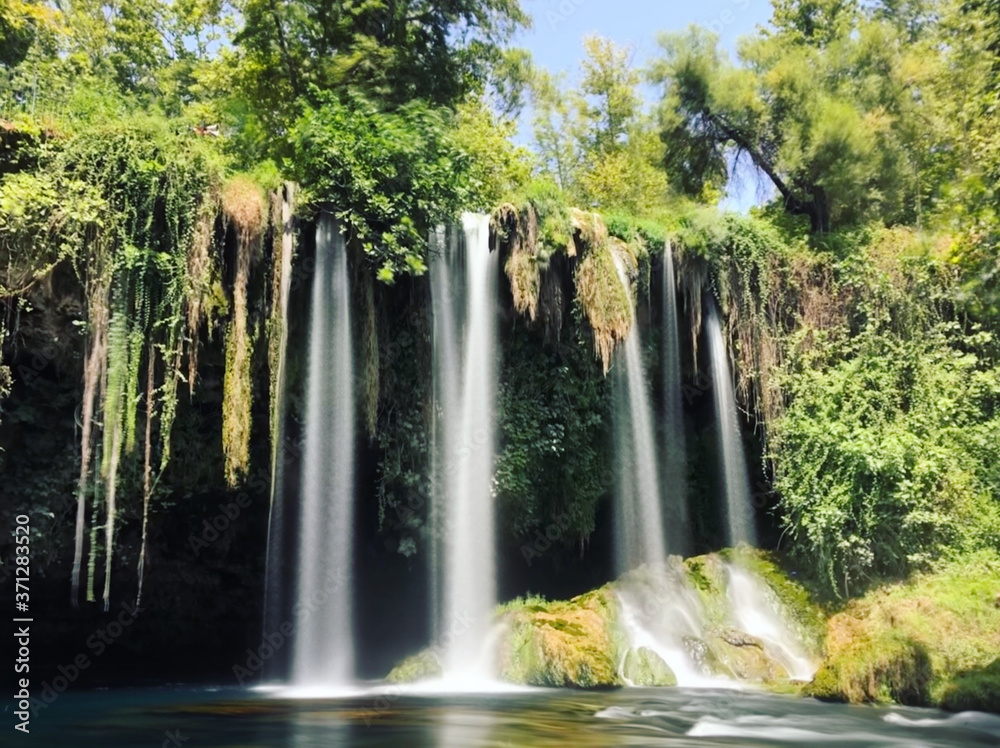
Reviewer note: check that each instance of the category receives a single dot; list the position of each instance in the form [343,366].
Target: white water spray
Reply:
[674,477]
[756,615]
[274,590]
[662,612]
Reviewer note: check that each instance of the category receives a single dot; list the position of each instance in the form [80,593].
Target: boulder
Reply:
[562,644]
[743,656]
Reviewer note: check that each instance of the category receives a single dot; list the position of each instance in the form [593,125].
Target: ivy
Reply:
[553,415]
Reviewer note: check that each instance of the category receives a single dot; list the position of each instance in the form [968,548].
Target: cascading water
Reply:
[738,510]
[663,612]
[754,613]
[674,477]
[324,641]
[463,296]
[639,523]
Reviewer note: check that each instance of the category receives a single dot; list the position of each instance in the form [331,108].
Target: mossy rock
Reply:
[416,667]
[707,576]
[703,657]
[798,607]
[930,641]
[885,669]
[643,667]
[562,643]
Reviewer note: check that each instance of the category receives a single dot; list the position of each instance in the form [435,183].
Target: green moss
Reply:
[797,604]
[559,644]
[529,603]
[707,575]
[977,689]
[932,641]
[885,669]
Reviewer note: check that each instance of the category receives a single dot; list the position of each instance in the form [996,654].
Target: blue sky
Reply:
[556,38]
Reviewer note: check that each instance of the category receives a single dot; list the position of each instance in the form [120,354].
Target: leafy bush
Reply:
[553,463]
[887,458]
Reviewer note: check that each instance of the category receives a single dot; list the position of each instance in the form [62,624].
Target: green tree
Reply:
[827,105]
[393,51]
[20,21]
[596,142]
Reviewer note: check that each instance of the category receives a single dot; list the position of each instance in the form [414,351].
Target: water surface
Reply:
[536,718]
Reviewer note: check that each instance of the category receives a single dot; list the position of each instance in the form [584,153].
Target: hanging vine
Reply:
[129,226]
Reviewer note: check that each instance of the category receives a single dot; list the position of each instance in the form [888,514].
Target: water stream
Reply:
[324,643]
[755,613]
[463,290]
[674,460]
[739,513]
[639,531]
[541,718]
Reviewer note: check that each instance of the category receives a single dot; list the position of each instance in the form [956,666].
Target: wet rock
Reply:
[739,638]
[643,667]
[743,656]
[702,656]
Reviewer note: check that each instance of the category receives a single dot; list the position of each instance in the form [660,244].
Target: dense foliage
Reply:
[554,464]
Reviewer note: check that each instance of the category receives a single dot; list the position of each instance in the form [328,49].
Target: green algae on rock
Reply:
[931,641]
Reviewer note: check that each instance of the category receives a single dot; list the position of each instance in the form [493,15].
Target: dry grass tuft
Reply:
[604,298]
[516,233]
[244,206]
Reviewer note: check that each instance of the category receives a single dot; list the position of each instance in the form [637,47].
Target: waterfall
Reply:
[324,642]
[755,613]
[738,510]
[639,524]
[463,297]
[661,610]
[674,478]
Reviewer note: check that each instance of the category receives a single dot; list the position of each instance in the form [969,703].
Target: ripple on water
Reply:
[988,724]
